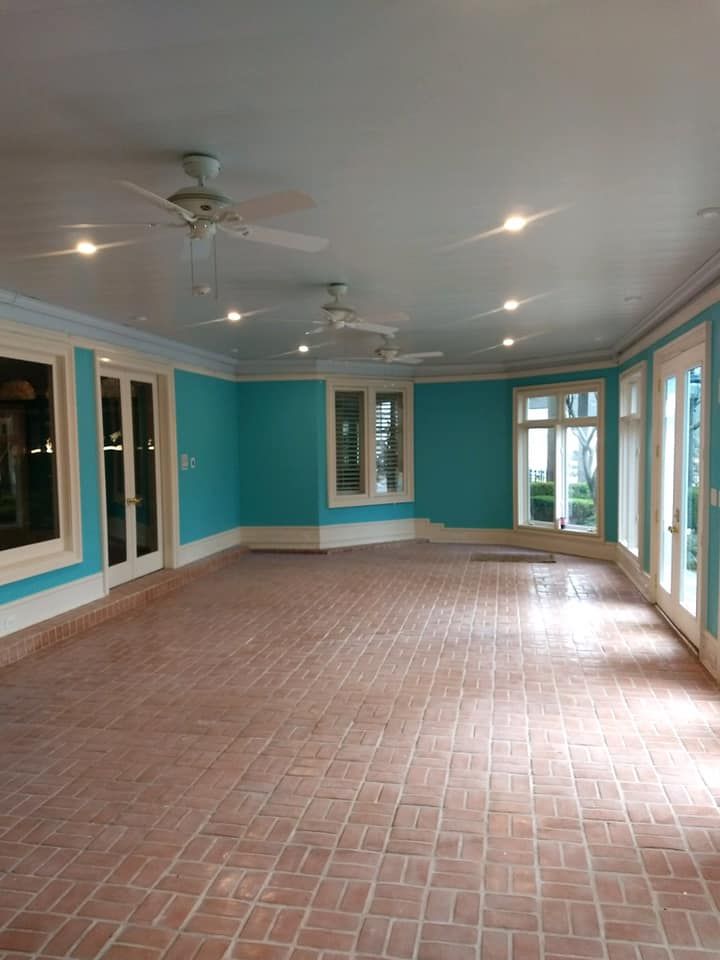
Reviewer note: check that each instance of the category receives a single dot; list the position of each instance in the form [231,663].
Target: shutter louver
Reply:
[349,442]
[389,446]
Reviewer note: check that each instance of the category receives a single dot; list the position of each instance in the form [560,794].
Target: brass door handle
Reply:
[134,500]
[673,528]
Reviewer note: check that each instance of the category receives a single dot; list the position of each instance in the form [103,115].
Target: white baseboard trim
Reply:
[199,549]
[26,612]
[630,566]
[710,653]
[575,545]
[329,537]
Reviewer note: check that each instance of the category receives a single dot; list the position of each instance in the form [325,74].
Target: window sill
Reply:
[367,501]
[11,572]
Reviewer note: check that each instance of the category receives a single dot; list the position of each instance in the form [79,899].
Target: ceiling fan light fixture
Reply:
[511,305]
[86,248]
[515,223]
[233,316]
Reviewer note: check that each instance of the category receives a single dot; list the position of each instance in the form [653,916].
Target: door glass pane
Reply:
[581,478]
[28,480]
[146,520]
[691,492]
[114,470]
[541,474]
[667,481]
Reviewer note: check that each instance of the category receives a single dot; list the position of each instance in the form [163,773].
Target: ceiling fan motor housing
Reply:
[204,202]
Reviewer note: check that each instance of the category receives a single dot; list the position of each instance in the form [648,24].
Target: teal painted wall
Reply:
[464,449]
[208,423]
[89,491]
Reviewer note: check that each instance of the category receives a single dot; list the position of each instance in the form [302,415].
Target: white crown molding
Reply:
[84,329]
[692,296]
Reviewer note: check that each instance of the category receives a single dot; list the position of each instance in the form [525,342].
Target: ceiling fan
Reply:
[390,354]
[203,209]
[338,316]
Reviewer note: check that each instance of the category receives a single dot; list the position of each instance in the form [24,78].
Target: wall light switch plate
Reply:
[184,461]
[713,497]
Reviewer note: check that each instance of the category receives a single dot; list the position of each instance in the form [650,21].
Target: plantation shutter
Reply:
[389,467]
[349,441]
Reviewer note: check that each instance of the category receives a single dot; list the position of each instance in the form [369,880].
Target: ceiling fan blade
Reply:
[365,327]
[405,358]
[270,205]
[426,355]
[278,238]
[321,328]
[159,201]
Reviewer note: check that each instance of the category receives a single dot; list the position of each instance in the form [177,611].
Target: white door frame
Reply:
[111,362]
[699,335]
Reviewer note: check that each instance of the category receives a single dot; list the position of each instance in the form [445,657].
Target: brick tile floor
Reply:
[392,752]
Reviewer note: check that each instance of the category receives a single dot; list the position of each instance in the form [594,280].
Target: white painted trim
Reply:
[28,611]
[700,291]
[207,546]
[630,566]
[331,536]
[572,544]
[634,374]
[65,550]
[709,653]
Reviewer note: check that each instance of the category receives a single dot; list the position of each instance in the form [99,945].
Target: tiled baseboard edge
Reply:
[130,596]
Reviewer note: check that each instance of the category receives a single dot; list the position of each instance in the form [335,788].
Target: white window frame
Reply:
[20,563]
[520,428]
[369,389]
[628,422]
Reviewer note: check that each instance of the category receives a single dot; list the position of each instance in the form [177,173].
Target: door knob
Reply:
[136,501]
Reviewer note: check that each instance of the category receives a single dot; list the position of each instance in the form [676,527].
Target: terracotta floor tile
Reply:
[384,753]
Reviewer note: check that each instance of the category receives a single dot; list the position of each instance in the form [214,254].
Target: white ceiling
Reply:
[413,123]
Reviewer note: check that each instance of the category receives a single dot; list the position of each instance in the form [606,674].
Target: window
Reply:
[557,457]
[369,453]
[39,510]
[632,386]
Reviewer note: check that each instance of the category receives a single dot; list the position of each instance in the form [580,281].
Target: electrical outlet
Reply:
[183,461]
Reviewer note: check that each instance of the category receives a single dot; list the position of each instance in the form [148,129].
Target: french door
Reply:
[679,515]
[132,481]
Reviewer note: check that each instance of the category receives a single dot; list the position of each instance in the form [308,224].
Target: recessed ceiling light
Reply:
[104,359]
[511,305]
[303,348]
[233,316]
[508,342]
[86,248]
[515,223]
[709,213]
[633,298]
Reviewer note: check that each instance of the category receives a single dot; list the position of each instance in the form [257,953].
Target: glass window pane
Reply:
[389,472]
[689,558]
[667,479]
[113,453]
[634,398]
[349,442]
[582,404]
[146,519]
[541,408]
[541,474]
[581,478]
[28,467]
